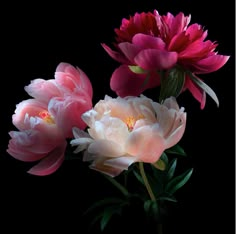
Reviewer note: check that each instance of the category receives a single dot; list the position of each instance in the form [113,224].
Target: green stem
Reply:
[159,228]
[145,180]
[118,185]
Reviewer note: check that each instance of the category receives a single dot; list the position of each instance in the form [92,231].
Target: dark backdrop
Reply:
[36,37]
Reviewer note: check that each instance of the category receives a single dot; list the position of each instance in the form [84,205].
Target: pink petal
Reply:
[148,42]
[68,111]
[129,50]
[126,83]
[121,163]
[178,23]
[107,170]
[195,32]
[35,141]
[68,76]
[152,59]
[146,144]
[43,90]
[197,50]
[32,107]
[105,148]
[51,163]
[179,42]
[197,93]
[115,55]
[22,153]
[210,64]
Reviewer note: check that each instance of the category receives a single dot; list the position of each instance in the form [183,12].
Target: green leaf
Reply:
[138,176]
[151,208]
[176,149]
[171,169]
[167,198]
[137,69]
[106,218]
[172,84]
[177,182]
[204,87]
[160,164]
[147,205]
[164,158]
[106,201]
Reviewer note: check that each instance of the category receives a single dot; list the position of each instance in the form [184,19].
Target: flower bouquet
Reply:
[132,140]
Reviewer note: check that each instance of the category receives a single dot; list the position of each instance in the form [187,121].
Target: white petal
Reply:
[121,163]
[105,148]
[89,117]
[78,133]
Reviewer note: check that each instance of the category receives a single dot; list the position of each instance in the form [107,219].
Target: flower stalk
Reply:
[145,180]
[120,187]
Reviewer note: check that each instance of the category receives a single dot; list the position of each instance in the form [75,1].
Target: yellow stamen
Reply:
[46,117]
[131,120]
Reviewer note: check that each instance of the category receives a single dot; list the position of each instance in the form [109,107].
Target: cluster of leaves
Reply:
[163,181]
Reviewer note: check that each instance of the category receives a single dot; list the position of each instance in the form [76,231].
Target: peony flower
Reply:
[126,130]
[67,96]
[39,138]
[46,121]
[148,43]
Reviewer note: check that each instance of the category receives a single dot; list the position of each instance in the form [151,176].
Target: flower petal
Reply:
[146,144]
[152,59]
[121,163]
[126,83]
[148,42]
[105,148]
[119,57]
[51,163]
[210,64]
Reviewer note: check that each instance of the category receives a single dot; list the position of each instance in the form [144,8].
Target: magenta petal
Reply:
[197,93]
[211,63]
[152,59]
[115,55]
[148,42]
[129,50]
[51,163]
[126,83]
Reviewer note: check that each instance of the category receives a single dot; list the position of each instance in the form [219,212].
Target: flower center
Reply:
[131,120]
[46,117]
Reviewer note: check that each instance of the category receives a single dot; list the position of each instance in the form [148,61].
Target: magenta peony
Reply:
[148,44]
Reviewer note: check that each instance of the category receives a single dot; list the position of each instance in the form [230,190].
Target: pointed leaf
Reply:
[146,80]
[147,206]
[171,169]
[164,158]
[177,182]
[164,198]
[106,201]
[176,149]
[172,84]
[138,176]
[106,218]
[160,165]
[204,87]
[137,69]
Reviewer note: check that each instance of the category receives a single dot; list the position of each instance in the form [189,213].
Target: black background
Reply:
[36,37]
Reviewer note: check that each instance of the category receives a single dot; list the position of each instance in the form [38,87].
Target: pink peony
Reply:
[68,96]
[127,130]
[148,43]
[46,121]
[39,138]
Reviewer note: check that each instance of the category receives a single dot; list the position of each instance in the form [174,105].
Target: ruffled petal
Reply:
[51,163]
[152,59]
[119,57]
